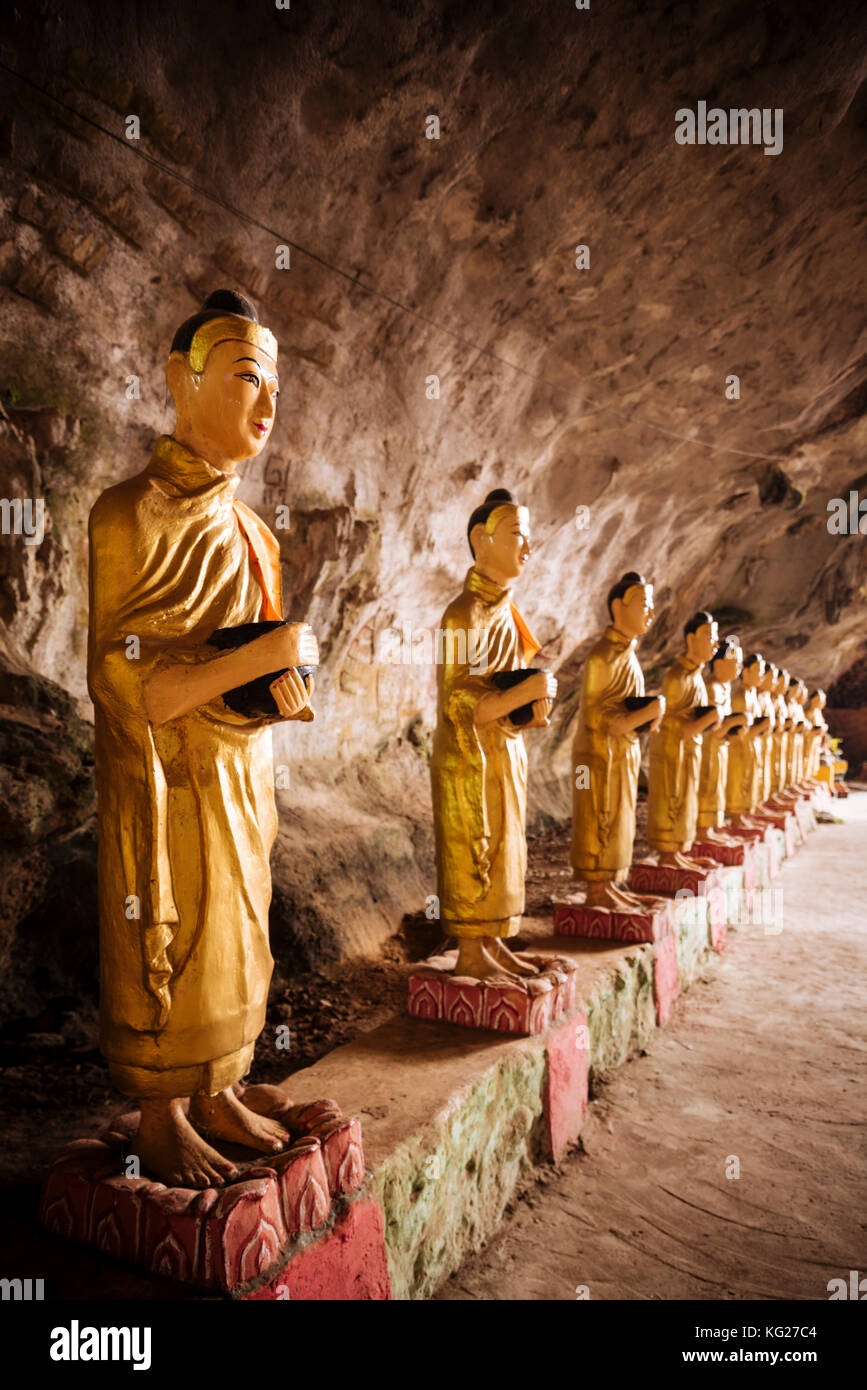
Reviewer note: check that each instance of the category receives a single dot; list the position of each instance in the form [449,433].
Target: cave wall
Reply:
[599,388]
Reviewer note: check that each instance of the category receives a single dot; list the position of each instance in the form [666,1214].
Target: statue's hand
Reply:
[294,644]
[290,693]
[541,711]
[540,687]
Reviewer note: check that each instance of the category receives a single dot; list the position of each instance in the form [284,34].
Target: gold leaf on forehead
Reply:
[228,326]
[519,514]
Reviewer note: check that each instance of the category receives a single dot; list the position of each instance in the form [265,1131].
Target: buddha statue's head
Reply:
[766,684]
[498,533]
[630,604]
[782,682]
[754,670]
[702,637]
[222,373]
[728,660]
[816,701]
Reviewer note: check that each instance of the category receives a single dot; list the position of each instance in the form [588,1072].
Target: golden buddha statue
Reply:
[781,731]
[725,666]
[815,735]
[795,747]
[479,762]
[675,748]
[745,780]
[766,712]
[187,813]
[606,745]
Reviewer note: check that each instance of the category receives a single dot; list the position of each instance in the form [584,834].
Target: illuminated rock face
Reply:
[556,132]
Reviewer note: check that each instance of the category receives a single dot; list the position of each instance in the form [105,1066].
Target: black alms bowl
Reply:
[634,702]
[254,700]
[507,680]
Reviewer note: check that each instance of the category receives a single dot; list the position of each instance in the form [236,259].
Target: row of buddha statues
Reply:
[190,663]
[729,733]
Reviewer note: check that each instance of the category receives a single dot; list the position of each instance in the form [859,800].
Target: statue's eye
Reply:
[249,376]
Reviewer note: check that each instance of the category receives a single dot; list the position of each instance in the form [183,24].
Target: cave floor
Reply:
[763,1064]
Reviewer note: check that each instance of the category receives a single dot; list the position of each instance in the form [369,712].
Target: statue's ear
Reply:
[477,538]
[180,377]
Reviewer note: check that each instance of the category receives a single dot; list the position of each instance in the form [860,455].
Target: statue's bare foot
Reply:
[169,1147]
[610,896]
[509,961]
[225,1117]
[476,959]
[650,902]
[673,859]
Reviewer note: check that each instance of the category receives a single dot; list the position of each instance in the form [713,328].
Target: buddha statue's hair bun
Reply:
[228,302]
[219,303]
[498,498]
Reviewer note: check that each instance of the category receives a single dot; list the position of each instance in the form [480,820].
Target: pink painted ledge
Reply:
[666,987]
[231,1240]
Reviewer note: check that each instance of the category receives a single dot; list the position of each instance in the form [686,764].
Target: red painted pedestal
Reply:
[737,854]
[780,820]
[524,1006]
[576,919]
[231,1240]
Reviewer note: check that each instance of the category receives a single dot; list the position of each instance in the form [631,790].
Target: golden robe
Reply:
[675,762]
[766,769]
[746,757]
[714,763]
[796,743]
[187,814]
[603,813]
[479,772]
[781,744]
[813,740]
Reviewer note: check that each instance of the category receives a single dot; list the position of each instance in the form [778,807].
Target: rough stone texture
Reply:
[557,129]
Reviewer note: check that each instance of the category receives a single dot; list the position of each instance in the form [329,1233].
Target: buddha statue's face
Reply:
[753,674]
[226,411]
[727,668]
[702,644]
[767,681]
[633,614]
[503,552]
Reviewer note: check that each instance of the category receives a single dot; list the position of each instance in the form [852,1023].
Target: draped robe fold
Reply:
[675,762]
[714,763]
[767,711]
[187,813]
[744,784]
[603,812]
[479,772]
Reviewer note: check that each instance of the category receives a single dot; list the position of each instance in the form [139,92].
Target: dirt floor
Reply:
[762,1069]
